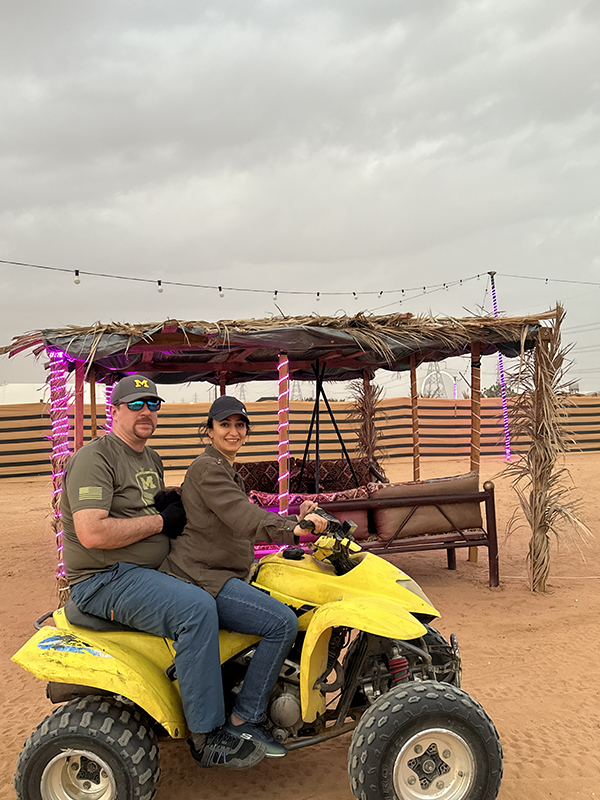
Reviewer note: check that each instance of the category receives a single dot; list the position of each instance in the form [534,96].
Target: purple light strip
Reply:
[284,444]
[108,416]
[502,380]
[59,415]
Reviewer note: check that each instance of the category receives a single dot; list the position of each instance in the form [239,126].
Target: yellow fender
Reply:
[372,615]
[131,664]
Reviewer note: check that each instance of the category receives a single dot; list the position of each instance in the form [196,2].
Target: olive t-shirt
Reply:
[108,474]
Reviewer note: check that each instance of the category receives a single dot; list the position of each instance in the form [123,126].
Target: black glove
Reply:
[165,498]
[174,520]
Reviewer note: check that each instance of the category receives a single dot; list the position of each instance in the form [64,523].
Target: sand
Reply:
[533,661]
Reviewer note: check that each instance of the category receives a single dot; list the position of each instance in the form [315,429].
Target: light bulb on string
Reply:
[318,296]
[77,279]
[380,295]
[275,295]
[221,292]
[160,287]
[355,295]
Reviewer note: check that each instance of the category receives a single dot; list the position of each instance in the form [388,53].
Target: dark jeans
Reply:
[246,609]
[165,606]
[156,603]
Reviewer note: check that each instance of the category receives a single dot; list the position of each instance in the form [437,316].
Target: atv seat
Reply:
[83,620]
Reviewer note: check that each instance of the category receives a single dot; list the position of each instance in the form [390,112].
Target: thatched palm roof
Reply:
[178,351]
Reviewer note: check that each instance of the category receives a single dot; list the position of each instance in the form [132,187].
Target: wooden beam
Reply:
[244,366]
[79,382]
[223,383]
[414,399]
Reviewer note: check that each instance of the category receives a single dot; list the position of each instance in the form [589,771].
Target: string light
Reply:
[160,287]
[221,289]
[275,295]
[355,295]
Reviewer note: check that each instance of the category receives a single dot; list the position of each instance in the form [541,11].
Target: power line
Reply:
[548,280]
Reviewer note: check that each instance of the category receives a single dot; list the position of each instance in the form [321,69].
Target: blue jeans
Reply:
[165,606]
[246,609]
[151,601]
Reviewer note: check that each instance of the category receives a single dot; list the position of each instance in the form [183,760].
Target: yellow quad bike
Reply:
[366,660]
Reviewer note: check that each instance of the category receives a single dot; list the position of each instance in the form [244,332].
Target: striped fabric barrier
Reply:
[444,427]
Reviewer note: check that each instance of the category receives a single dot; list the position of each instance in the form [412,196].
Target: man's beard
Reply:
[144,422]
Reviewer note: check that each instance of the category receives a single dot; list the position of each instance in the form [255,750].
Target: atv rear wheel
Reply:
[92,748]
[425,740]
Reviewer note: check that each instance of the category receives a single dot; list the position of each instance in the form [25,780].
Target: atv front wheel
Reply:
[92,748]
[425,740]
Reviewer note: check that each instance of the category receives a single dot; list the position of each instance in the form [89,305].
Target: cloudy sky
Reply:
[334,145]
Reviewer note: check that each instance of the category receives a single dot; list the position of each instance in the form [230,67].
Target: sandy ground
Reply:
[532,661]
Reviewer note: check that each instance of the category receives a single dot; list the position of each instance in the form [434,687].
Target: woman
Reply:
[216,552]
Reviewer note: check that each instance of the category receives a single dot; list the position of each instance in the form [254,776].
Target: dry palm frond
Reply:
[370,332]
[538,417]
[364,408]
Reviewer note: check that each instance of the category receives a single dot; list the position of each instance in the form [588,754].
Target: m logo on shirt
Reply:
[149,484]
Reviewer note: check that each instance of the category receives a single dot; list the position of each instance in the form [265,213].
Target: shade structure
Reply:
[234,351]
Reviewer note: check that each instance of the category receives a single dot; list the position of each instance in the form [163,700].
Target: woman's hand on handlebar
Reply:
[319,525]
[305,508]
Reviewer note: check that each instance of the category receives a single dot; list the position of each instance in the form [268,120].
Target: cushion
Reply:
[426,519]
[334,474]
[271,500]
[263,476]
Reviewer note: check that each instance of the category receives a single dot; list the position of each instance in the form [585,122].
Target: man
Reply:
[114,541]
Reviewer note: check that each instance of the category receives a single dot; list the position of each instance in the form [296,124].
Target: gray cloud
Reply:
[318,145]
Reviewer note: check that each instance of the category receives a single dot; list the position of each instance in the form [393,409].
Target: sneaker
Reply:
[224,750]
[251,732]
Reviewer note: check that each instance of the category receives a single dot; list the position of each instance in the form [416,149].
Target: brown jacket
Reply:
[222,526]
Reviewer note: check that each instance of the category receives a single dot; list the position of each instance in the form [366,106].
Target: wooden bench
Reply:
[449,540]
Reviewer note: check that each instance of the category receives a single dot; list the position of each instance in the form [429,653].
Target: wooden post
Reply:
[414,398]
[475,419]
[222,376]
[79,382]
[93,413]
[283,433]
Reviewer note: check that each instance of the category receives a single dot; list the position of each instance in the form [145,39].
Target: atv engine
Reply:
[284,713]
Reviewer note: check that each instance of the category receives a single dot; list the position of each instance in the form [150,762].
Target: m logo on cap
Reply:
[141,383]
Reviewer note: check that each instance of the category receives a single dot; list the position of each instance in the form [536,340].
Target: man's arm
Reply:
[95,529]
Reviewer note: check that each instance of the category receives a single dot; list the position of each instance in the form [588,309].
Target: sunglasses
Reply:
[137,405]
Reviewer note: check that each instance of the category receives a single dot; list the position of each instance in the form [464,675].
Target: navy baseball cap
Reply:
[225,406]
[134,387]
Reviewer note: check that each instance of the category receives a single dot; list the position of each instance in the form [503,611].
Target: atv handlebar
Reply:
[339,530]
